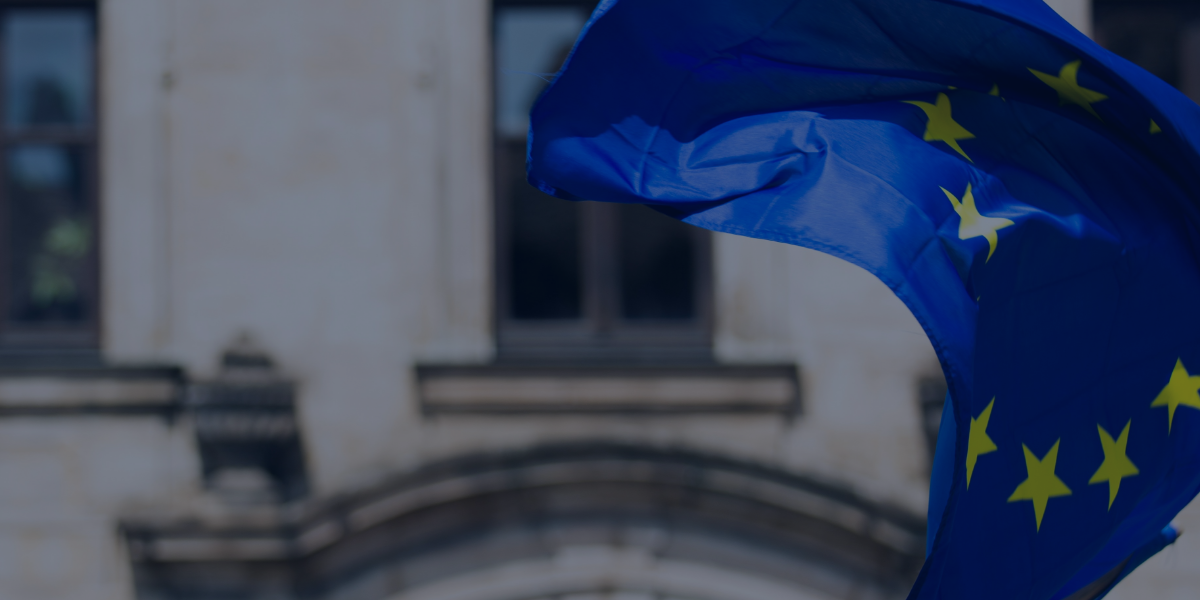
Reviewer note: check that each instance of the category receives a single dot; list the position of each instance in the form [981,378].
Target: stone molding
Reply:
[499,389]
[527,500]
[101,390]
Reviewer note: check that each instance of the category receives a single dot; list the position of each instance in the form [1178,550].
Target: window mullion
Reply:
[600,274]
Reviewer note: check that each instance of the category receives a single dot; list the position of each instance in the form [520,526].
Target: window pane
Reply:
[50,229]
[531,44]
[48,67]
[658,265]
[545,269]
[545,275]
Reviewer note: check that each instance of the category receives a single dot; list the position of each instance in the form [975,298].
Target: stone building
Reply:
[281,320]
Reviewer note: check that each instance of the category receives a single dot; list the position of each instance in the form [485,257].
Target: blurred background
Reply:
[281,319]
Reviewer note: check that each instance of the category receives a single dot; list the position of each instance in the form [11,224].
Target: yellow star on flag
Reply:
[978,441]
[1042,484]
[1181,390]
[1116,464]
[1068,88]
[941,126]
[972,224]
[1154,128]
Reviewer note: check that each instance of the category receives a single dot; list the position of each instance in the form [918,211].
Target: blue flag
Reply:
[1031,197]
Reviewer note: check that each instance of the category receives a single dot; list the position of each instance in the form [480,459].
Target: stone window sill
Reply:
[567,389]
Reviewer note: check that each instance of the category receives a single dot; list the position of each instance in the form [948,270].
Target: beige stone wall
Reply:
[314,174]
[62,482]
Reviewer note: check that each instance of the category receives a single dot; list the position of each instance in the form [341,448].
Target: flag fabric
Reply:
[1031,197]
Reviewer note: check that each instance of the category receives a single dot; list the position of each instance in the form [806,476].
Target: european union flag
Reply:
[1030,196]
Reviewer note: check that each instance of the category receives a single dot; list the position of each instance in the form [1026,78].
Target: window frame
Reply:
[21,340]
[599,334]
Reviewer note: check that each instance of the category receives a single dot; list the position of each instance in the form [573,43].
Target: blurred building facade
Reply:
[281,319]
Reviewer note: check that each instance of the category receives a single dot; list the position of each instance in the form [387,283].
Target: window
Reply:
[1161,36]
[48,258]
[582,280]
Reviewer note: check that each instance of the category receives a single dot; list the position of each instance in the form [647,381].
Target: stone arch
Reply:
[595,519]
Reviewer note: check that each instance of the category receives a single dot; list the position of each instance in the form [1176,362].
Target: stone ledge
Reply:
[524,389]
[97,390]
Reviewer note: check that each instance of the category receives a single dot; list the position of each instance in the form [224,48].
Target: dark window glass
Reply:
[48,292]
[657,265]
[50,235]
[546,278]
[1161,36]
[581,279]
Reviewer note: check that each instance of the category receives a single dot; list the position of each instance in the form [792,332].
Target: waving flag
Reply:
[1031,197]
